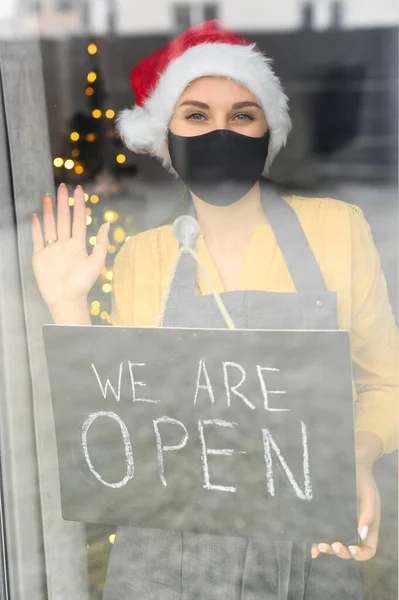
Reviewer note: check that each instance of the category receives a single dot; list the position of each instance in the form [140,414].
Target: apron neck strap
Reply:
[291,239]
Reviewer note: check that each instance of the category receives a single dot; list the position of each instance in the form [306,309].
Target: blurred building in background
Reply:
[60,18]
[337,60]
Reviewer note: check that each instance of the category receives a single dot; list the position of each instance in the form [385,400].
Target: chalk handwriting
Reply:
[207,386]
[161,449]
[266,392]
[233,388]
[134,383]
[127,446]
[268,443]
[109,384]
[212,451]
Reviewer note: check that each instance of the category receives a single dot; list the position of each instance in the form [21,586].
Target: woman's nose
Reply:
[222,123]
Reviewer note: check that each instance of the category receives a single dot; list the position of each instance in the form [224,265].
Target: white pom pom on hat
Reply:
[209,48]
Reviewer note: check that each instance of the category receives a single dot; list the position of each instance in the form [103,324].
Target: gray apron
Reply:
[147,564]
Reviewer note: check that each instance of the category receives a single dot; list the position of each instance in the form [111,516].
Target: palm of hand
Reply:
[64,271]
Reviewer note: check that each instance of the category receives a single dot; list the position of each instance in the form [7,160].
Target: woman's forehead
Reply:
[215,88]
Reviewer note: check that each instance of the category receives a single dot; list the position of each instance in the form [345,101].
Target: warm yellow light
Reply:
[109,275]
[104,315]
[89,91]
[120,158]
[71,201]
[111,538]
[92,48]
[92,240]
[110,113]
[75,152]
[74,136]
[58,162]
[95,304]
[109,319]
[91,77]
[90,137]
[119,235]
[111,249]
[104,271]
[86,196]
[88,211]
[94,199]
[95,311]
[107,287]
[69,164]
[111,216]
[88,220]
[79,170]
[96,113]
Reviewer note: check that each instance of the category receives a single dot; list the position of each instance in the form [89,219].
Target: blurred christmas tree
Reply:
[93,158]
[93,146]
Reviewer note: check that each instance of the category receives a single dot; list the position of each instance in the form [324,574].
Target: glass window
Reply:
[182,16]
[210,12]
[307,14]
[65,78]
[33,6]
[65,6]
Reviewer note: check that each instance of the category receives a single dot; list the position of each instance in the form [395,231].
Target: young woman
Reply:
[211,108]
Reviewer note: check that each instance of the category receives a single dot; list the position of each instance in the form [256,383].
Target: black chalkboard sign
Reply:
[240,433]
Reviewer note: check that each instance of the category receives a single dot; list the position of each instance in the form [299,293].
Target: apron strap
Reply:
[184,280]
[292,241]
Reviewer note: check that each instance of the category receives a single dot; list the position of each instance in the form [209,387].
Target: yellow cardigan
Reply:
[343,245]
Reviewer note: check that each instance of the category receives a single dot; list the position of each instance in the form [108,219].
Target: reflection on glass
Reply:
[342,99]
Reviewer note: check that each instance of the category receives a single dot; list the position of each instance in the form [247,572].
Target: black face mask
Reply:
[219,167]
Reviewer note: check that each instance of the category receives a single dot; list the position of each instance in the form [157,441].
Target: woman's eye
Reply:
[194,116]
[245,117]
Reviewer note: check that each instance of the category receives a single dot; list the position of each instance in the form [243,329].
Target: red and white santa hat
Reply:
[209,48]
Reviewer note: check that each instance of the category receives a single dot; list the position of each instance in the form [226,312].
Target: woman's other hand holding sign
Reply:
[368,448]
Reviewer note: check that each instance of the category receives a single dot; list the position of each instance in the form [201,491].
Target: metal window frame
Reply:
[46,556]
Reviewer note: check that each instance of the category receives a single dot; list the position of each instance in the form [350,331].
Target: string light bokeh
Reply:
[98,207]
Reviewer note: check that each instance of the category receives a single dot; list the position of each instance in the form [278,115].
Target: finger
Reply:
[50,232]
[368,548]
[63,213]
[363,552]
[325,548]
[315,551]
[79,216]
[37,236]
[101,246]
[341,551]
[369,523]
[368,507]
[367,513]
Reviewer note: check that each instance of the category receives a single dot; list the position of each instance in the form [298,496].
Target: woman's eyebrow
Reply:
[194,103]
[245,104]
[206,106]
